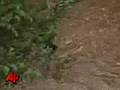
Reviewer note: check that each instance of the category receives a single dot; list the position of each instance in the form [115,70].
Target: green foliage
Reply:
[60,7]
[14,24]
[23,27]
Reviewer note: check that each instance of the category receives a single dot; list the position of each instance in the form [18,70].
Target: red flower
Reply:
[12,77]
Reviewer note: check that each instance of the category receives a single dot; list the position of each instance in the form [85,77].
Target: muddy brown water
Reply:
[89,34]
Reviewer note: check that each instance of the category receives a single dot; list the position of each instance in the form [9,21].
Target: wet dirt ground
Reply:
[89,34]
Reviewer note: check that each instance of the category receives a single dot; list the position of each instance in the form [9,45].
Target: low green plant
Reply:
[23,27]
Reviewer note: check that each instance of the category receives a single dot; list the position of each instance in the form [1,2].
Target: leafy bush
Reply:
[23,27]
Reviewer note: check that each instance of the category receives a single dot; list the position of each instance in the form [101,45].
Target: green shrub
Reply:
[22,28]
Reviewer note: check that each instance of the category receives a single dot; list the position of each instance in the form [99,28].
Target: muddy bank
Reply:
[89,35]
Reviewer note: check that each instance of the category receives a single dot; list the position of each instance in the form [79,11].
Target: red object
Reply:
[12,77]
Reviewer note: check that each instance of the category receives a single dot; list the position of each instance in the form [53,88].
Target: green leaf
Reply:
[13,67]
[6,70]
[15,32]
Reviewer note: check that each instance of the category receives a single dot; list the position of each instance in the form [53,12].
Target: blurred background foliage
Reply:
[27,31]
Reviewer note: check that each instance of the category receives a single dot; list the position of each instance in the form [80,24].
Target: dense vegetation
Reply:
[26,35]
